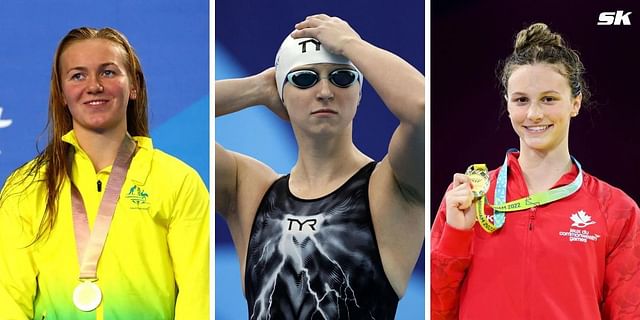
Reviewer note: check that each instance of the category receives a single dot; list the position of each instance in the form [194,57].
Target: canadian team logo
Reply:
[579,234]
[581,219]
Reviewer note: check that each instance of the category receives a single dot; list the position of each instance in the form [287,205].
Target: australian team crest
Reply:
[138,197]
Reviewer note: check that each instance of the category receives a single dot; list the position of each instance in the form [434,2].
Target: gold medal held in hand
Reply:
[479,176]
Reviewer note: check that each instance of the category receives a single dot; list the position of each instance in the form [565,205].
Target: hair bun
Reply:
[537,35]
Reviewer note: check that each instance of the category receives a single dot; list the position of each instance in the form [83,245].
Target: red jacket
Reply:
[575,258]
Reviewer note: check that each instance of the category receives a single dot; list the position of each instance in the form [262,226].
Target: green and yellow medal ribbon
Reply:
[479,177]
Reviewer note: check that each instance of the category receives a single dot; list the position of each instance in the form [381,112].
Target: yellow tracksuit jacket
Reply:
[155,263]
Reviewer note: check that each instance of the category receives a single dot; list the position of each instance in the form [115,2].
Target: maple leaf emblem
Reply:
[581,219]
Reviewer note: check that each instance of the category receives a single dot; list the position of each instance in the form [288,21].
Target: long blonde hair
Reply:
[54,157]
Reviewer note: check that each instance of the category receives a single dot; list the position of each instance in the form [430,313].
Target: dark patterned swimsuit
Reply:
[317,259]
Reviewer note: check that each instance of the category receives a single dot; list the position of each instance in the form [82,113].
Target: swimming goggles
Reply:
[304,79]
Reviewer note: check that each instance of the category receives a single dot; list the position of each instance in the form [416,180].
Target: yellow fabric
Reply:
[155,263]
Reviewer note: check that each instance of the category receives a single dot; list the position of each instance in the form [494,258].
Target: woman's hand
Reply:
[461,214]
[270,97]
[333,32]
[233,95]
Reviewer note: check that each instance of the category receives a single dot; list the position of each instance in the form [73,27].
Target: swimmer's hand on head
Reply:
[271,98]
[233,95]
[333,32]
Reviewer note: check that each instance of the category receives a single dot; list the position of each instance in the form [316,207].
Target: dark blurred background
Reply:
[469,38]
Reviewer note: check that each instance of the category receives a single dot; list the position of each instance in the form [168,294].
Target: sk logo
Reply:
[138,197]
[4,122]
[614,18]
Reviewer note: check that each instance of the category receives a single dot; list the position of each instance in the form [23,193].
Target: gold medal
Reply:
[87,296]
[479,176]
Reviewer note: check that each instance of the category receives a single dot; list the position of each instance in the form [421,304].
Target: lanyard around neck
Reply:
[89,244]
[500,205]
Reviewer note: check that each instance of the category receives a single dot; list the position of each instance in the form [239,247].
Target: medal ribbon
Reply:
[534,200]
[482,217]
[89,244]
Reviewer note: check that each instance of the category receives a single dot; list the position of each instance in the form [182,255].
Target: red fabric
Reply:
[539,266]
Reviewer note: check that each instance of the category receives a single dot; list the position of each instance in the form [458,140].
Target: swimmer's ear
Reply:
[282,113]
[576,105]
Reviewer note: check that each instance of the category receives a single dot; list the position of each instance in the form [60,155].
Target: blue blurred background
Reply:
[171,39]
[247,37]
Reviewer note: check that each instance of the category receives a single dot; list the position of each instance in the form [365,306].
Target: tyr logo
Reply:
[302,225]
[304,44]
[299,224]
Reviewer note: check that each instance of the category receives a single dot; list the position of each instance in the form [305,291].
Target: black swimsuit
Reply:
[317,259]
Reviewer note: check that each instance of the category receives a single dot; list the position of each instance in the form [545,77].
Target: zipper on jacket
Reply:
[532,217]
[99,186]
[528,267]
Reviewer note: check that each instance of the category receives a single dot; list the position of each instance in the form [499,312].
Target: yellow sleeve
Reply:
[18,273]
[188,239]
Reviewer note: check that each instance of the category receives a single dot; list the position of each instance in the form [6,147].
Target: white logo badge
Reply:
[614,18]
[4,122]
[581,219]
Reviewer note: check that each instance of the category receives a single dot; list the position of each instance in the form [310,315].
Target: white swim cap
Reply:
[303,51]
